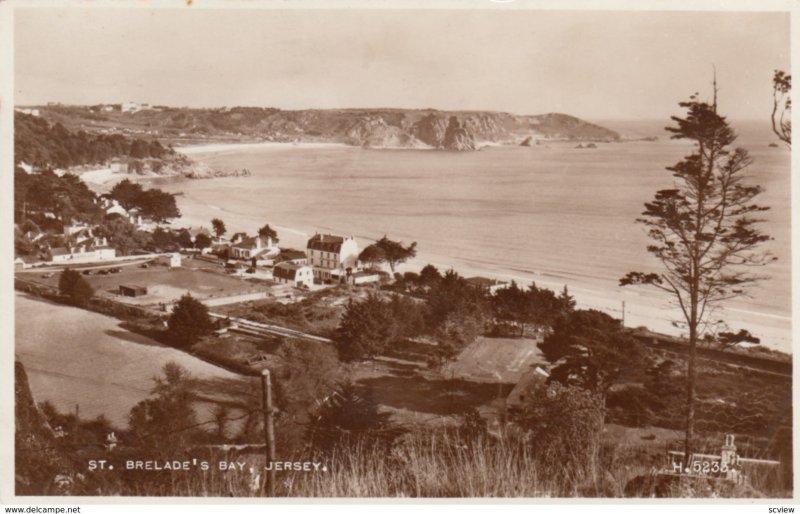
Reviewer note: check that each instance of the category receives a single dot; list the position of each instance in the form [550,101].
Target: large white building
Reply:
[332,257]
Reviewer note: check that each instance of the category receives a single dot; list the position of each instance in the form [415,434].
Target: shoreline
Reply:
[642,307]
[235,147]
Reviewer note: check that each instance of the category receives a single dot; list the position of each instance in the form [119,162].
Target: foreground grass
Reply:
[437,465]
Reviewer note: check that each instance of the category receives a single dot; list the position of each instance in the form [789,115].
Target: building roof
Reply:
[485,282]
[326,243]
[135,287]
[287,270]
[536,377]
[290,254]
[249,243]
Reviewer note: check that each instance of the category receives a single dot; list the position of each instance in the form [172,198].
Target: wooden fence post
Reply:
[269,432]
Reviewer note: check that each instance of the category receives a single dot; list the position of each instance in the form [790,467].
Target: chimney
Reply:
[322,237]
[258,242]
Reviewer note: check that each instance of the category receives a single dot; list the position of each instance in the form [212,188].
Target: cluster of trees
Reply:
[75,288]
[447,309]
[152,203]
[43,145]
[122,235]
[370,326]
[590,350]
[188,322]
[44,201]
[388,251]
[533,306]
[67,197]
[167,419]
[349,419]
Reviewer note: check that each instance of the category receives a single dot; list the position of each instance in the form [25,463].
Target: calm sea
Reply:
[552,213]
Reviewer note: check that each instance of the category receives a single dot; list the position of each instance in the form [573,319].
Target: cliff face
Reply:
[400,128]
[458,137]
[374,132]
[430,130]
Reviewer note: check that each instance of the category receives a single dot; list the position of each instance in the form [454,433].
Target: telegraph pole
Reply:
[269,432]
[623,313]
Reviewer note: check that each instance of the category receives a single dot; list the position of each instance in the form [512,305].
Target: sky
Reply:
[592,64]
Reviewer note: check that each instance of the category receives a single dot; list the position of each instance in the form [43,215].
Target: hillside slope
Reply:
[42,466]
[392,128]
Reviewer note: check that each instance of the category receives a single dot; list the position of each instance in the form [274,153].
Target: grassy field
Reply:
[163,284]
[75,356]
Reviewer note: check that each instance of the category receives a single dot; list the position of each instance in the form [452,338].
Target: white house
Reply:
[118,167]
[332,257]
[134,107]
[83,252]
[75,228]
[21,263]
[171,260]
[254,247]
[294,274]
[112,206]
[32,112]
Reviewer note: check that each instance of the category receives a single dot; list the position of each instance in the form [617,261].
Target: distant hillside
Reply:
[392,128]
[42,144]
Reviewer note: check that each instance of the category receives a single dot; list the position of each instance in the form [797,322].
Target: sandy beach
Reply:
[236,147]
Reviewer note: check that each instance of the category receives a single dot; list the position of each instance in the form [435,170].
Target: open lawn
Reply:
[164,285]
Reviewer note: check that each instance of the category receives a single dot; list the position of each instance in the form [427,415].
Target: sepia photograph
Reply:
[271,250]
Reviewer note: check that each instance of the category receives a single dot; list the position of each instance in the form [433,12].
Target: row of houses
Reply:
[327,258]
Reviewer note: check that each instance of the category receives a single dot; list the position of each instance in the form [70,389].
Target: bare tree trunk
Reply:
[691,375]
